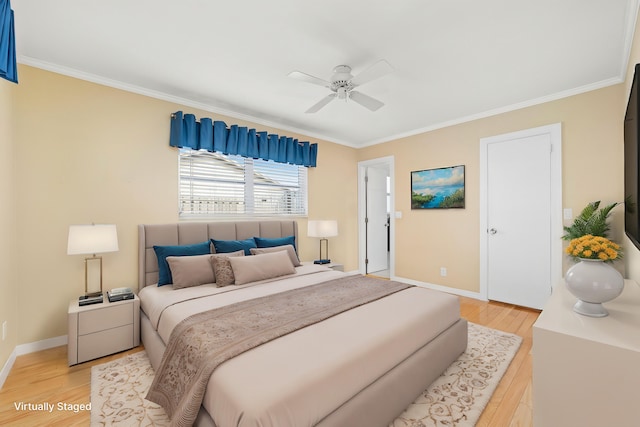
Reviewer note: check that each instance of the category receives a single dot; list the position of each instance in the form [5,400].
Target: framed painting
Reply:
[441,188]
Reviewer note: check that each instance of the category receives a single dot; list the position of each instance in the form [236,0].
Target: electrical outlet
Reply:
[4,330]
[443,271]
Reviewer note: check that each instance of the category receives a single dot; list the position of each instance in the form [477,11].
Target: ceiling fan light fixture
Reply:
[342,93]
[342,73]
[342,83]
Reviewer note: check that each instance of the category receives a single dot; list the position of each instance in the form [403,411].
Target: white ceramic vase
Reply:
[593,282]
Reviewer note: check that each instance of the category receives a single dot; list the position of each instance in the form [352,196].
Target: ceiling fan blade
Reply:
[375,71]
[299,75]
[365,100]
[318,105]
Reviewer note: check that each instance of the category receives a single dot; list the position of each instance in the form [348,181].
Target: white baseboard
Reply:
[29,348]
[455,291]
[4,373]
[41,345]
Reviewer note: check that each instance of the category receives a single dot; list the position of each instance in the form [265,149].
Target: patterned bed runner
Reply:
[203,341]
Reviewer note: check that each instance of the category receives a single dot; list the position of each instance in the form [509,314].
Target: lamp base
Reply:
[322,261]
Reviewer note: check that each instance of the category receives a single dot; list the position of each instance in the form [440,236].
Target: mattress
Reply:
[301,378]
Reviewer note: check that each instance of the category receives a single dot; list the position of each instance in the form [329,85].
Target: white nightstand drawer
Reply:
[101,319]
[97,345]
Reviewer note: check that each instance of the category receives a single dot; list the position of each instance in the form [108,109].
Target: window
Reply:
[215,185]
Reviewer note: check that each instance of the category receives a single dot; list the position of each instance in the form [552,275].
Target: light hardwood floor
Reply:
[45,377]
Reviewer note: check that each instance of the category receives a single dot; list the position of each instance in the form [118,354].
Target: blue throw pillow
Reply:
[162,252]
[263,242]
[224,246]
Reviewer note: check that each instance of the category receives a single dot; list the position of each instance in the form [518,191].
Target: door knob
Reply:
[493,231]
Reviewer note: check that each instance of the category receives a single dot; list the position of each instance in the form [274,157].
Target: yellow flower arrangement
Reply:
[594,247]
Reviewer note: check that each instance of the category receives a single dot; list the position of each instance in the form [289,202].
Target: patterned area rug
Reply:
[456,398]
[460,394]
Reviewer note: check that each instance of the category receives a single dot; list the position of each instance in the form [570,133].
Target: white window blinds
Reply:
[216,185]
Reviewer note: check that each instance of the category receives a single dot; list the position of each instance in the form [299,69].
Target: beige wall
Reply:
[89,153]
[592,170]
[8,257]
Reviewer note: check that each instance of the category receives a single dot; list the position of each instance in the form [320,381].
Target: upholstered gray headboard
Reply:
[185,233]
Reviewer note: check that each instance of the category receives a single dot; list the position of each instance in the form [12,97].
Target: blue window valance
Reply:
[216,136]
[8,68]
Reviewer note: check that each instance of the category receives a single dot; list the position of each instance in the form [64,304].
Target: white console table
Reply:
[586,371]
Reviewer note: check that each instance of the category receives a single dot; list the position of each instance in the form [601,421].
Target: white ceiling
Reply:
[453,60]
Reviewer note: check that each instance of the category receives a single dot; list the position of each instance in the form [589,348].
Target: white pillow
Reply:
[261,267]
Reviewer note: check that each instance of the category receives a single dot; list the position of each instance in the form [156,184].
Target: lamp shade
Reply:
[92,239]
[322,228]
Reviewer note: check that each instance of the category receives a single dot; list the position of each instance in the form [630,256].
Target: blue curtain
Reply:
[216,136]
[8,68]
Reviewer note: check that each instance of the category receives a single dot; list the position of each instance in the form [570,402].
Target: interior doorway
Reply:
[521,197]
[375,222]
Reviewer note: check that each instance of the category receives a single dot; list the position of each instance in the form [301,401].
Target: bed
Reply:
[359,367]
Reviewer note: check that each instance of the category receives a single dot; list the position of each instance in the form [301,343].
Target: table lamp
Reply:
[322,229]
[92,239]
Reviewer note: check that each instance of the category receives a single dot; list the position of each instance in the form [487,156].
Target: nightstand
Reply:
[332,265]
[335,266]
[98,330]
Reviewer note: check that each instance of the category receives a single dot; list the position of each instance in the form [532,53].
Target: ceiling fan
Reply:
[342,84]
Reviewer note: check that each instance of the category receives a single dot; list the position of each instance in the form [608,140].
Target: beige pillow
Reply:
[288,248]
[222,269]
[191,270]
[260,267]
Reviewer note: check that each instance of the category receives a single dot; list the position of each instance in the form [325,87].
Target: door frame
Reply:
[389,162]
[554,131]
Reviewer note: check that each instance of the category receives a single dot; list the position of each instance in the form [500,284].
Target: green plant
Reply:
[592,220]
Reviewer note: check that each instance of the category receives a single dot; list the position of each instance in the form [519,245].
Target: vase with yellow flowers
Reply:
[593,280]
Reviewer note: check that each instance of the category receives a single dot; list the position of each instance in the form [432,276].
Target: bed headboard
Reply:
[185,233]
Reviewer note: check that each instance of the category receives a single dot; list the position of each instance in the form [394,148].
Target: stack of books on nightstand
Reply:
[119,294]
[90,299]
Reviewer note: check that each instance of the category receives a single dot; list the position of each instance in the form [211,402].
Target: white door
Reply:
[520,219]
[377,248]
[377,223]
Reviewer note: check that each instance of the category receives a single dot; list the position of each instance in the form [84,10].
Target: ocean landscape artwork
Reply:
[441,188]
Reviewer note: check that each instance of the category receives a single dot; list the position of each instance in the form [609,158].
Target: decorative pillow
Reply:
[222,270]
[226,246]
[187,271]
[162,252]
[263,242]
[287,248]
[261,267]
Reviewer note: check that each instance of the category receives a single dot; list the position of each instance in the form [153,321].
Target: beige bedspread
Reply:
[167,307]
[202,342]
[300,378]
